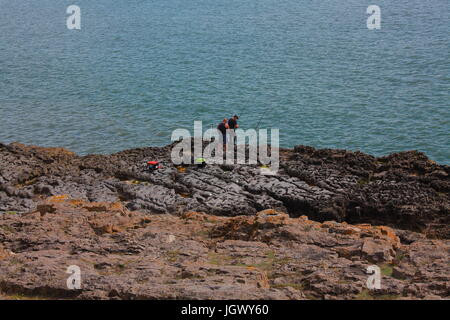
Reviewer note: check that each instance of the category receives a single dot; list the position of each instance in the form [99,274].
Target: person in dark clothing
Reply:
[232,123]
[222,127]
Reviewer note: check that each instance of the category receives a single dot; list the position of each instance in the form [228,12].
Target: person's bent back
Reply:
[222,127]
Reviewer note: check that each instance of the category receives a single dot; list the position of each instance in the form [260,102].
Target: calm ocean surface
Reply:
[138,69]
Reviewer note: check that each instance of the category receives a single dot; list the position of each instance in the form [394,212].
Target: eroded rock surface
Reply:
[404,190]
[127,254]
[223,231]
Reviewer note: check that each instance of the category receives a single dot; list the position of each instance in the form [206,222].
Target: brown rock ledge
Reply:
[127,254]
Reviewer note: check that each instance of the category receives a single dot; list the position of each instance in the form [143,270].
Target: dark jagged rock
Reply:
[404,190]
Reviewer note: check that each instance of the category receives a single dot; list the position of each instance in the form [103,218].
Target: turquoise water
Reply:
[139,69]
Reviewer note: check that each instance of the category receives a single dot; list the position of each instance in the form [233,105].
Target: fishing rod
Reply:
[259,122]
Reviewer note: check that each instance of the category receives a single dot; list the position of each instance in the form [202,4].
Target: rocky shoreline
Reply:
[223,231]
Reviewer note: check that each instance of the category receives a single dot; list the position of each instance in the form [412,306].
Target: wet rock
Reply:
[403,190]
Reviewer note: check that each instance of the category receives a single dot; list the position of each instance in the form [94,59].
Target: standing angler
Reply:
[222,127]
[232,124]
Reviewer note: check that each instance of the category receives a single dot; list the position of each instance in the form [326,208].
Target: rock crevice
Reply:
[404,190]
